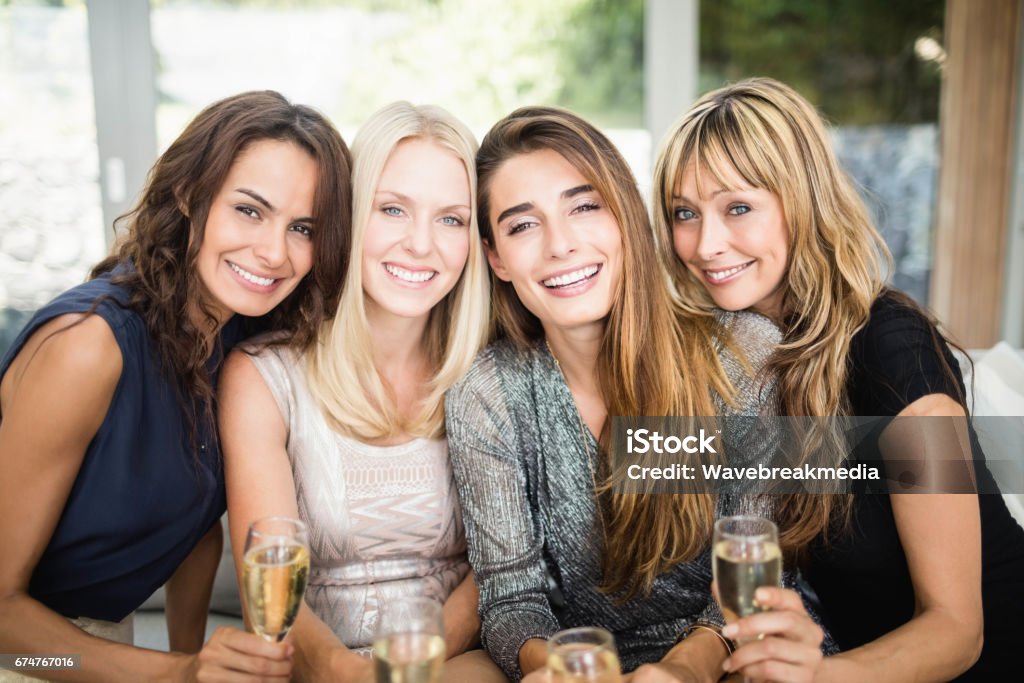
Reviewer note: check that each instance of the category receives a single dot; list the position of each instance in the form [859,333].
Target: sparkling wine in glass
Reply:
[583,655]
[746,555]
[274,575]
[409,646]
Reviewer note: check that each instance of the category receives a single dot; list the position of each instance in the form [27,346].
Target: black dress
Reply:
[862,578]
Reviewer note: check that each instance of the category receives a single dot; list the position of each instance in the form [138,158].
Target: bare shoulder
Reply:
[240,374]
[247,408]
[74,353]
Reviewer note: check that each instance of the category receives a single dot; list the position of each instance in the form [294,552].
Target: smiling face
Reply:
[417,237]
[257,244]
[734,241]
[555,240]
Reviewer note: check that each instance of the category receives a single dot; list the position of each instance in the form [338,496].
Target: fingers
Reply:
[783,644]
[787,625]
[538,676]
[250,644]
[771,597]
[774,670]
[787,619]
[238,657]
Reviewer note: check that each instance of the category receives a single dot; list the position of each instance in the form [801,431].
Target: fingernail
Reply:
[762,594]
[730,631]
[727,664]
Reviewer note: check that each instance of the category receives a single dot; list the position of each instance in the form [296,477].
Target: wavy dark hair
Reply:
[165,231]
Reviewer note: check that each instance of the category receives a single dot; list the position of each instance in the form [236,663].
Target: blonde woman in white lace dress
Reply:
[350,436]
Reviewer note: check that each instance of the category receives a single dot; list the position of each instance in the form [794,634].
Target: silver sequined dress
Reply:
[528,503]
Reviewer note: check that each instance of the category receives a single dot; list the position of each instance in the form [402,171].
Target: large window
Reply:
[478,58]
[51,225]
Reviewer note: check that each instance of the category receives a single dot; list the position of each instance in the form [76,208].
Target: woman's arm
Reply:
[696,659]
[505,542]
[54,398]
[187,592]
[462,618]
[941,538]
[260,484]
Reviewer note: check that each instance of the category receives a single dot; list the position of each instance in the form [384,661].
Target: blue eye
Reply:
[303,230]
[683,214]
[392,211]
[453,220]
[739,209]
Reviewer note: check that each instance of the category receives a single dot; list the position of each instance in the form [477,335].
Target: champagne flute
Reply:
[583,655]
[745,556]
[409,646]
[274,575]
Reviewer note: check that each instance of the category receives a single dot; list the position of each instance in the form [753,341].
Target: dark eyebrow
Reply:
[270,207]
[526,206]
[580,189]
[518,208]
[259,198]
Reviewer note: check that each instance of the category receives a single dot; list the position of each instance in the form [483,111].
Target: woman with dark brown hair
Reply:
[589,334]
[111,483]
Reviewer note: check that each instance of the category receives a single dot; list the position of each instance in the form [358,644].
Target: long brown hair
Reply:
[165,231]
[775,140]
[642,349]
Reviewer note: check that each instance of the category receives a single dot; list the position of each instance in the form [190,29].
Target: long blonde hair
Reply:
[775,140]
[642,351]
[341,372]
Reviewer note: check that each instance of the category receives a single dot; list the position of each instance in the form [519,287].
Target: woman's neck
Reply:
[400,357]
[576,352]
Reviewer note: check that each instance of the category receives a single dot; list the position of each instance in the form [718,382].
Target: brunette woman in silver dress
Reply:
[589,333]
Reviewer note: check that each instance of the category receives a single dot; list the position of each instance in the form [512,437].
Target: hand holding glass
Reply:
[274,575]
[583,655]
[746,555]
[409,646]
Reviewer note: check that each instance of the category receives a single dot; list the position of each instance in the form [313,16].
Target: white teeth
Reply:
[255,279]
[722,274]
[570,278]
[408,275]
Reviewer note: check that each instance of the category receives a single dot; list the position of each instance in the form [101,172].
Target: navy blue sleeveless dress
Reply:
[142,499]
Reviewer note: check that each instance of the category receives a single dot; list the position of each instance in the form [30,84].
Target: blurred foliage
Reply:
[483,58]
[602,62]
[479,58]
[855,59]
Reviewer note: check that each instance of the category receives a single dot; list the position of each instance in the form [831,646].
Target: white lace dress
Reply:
[384,521]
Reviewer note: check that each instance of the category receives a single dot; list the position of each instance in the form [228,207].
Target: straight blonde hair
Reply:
[776,140]
[341,372]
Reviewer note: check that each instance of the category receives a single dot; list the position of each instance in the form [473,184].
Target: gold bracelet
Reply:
[729,649]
